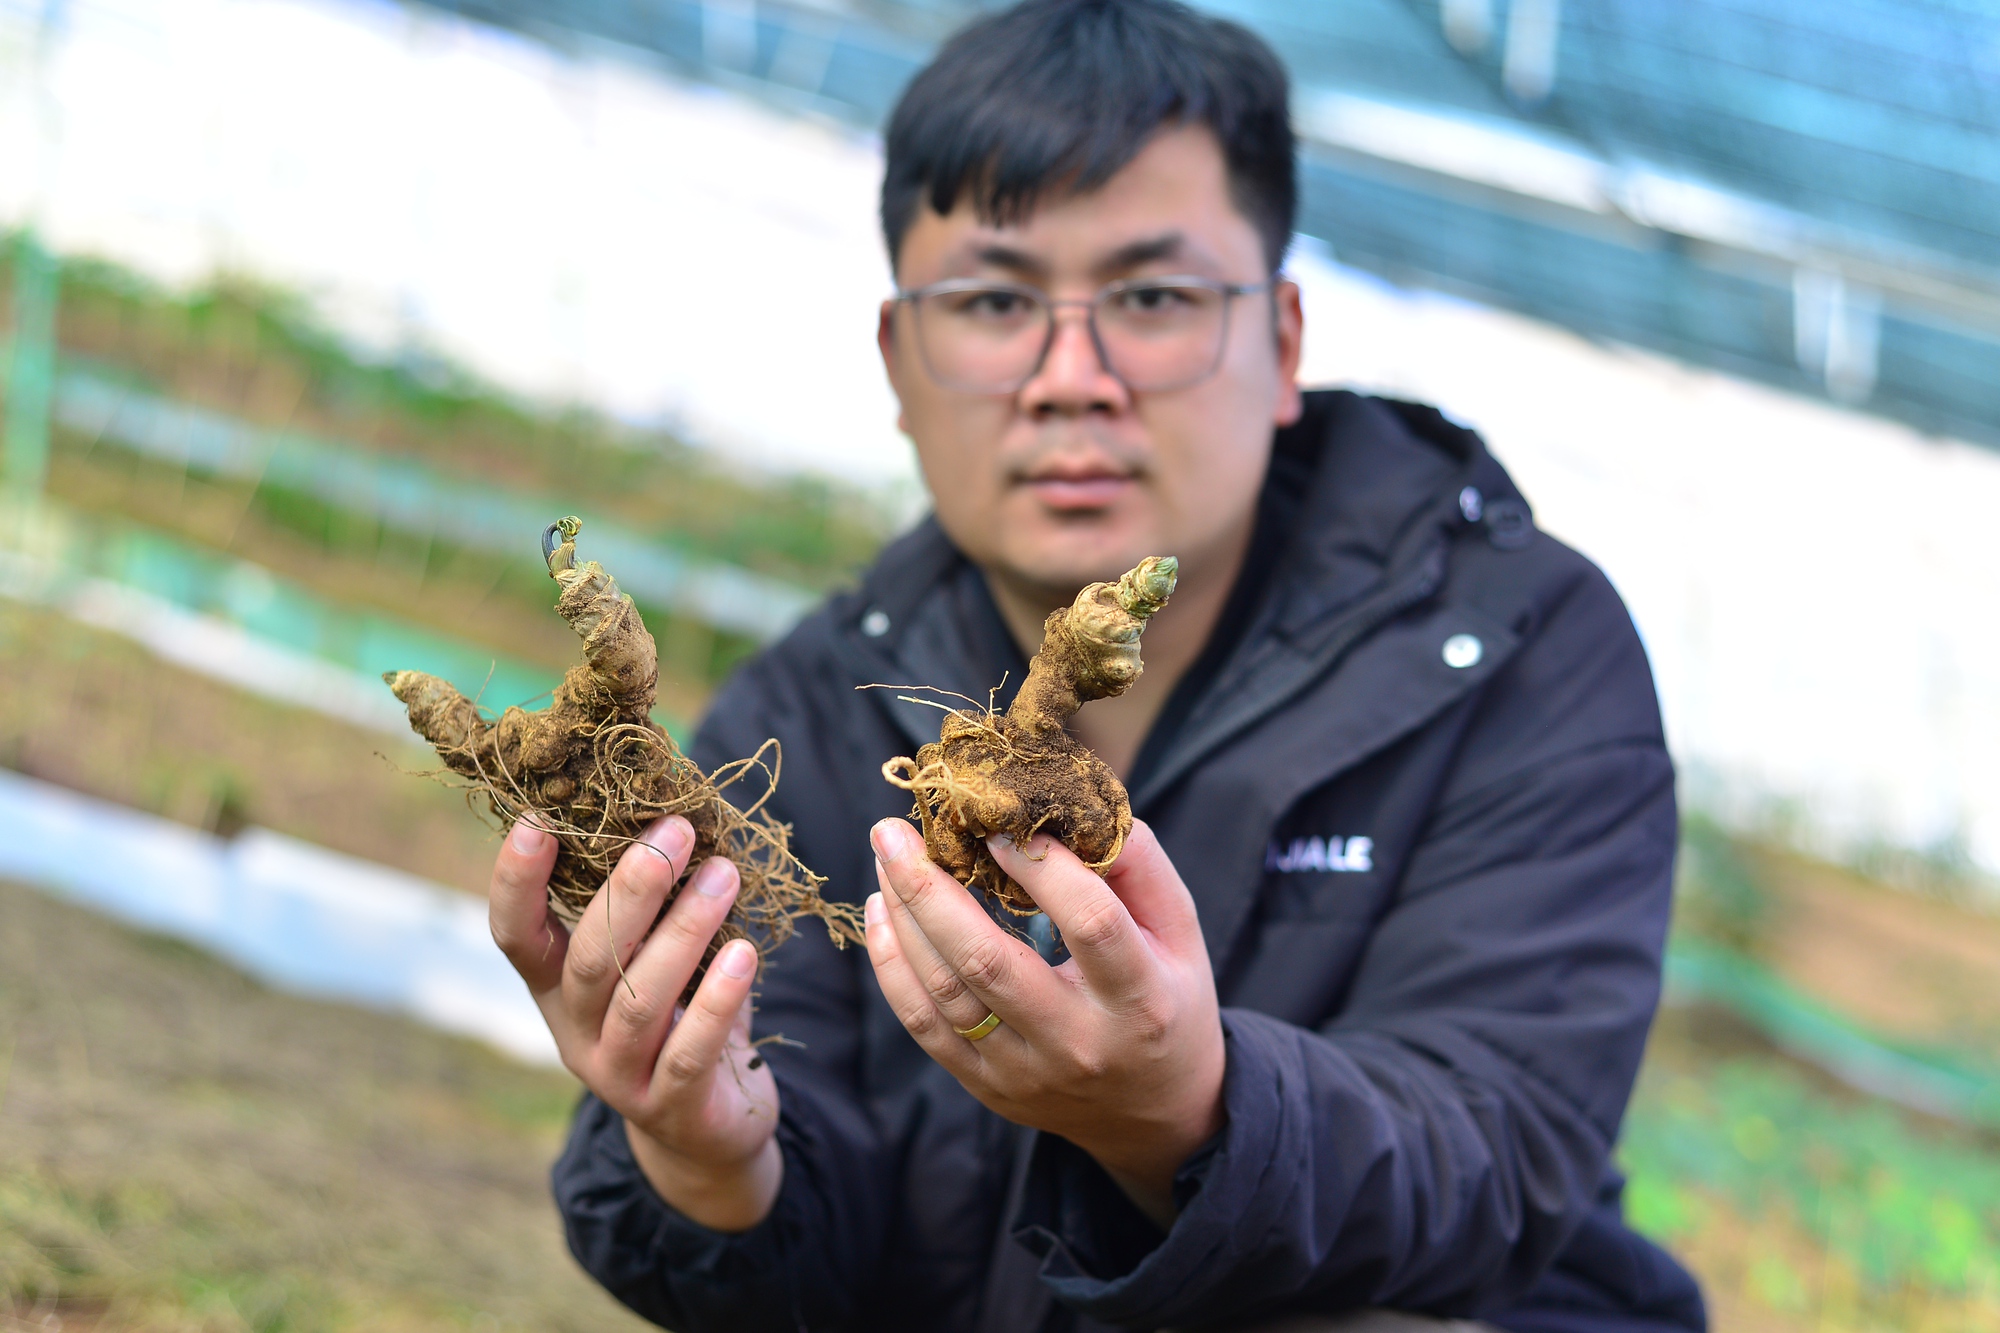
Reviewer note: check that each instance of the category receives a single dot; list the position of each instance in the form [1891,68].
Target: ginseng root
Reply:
[595,770]
[1020,772]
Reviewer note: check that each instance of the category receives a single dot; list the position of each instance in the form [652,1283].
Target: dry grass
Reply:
[181,1149]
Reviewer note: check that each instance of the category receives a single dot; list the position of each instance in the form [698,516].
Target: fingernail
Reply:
[671,835]
[712,880]
[526,839]
[890,839]
[873,912]
[737,959]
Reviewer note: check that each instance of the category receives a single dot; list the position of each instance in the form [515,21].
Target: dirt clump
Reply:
[595,770]
[1020,772]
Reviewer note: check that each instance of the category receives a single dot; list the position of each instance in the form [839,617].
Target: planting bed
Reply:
[116,722]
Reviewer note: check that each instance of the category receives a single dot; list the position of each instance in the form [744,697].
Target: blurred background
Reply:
[315,311]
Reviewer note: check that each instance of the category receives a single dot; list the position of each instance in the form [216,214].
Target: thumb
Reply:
[1153,891]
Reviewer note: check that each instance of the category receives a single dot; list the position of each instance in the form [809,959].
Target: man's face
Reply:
[1076,477]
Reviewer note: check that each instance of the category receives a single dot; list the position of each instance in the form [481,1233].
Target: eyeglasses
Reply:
[1153,334]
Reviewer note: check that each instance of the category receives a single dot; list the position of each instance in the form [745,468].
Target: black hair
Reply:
[1062,94]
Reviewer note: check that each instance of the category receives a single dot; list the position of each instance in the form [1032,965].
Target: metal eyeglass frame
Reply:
[1227,290]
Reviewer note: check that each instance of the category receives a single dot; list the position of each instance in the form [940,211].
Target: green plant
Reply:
[1898,1214]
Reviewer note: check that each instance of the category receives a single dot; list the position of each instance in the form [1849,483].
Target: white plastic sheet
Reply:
[298,917]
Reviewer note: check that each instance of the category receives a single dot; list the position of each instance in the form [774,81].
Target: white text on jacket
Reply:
[1351,855]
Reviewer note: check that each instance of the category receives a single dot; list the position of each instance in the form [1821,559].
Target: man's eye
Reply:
[993,305]
[1153,300]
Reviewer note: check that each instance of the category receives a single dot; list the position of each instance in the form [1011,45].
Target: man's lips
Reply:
[1093,491]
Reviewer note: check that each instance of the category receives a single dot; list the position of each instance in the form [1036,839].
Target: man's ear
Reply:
[885,343]
[1289,319]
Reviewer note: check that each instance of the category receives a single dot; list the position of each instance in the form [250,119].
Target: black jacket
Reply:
[1419,790]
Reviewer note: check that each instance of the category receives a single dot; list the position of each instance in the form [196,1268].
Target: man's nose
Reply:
[1073,378]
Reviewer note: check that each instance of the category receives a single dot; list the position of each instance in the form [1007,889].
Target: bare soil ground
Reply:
[181,1149]
[96,713]
[1914,967]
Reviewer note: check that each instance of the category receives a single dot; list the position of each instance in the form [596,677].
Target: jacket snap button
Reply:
[876,623]
[1462,651]
[1471,504]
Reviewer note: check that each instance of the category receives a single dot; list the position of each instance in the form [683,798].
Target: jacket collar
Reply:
[1369,542]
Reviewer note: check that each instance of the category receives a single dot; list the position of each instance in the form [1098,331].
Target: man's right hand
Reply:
[699,1116]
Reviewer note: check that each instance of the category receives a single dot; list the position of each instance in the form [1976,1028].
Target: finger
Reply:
[619,916]
[1107,944]
[1153,891]
[694,1048]
[641,1008]
[948,991]
[1005,976]
[517,908]
[908,999]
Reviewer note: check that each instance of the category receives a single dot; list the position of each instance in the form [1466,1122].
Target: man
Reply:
[1352,1022]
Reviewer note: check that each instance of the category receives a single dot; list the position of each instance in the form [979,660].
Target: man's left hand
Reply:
[1119,1049]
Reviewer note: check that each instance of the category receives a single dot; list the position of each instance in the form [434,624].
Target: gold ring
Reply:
[980,1030]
